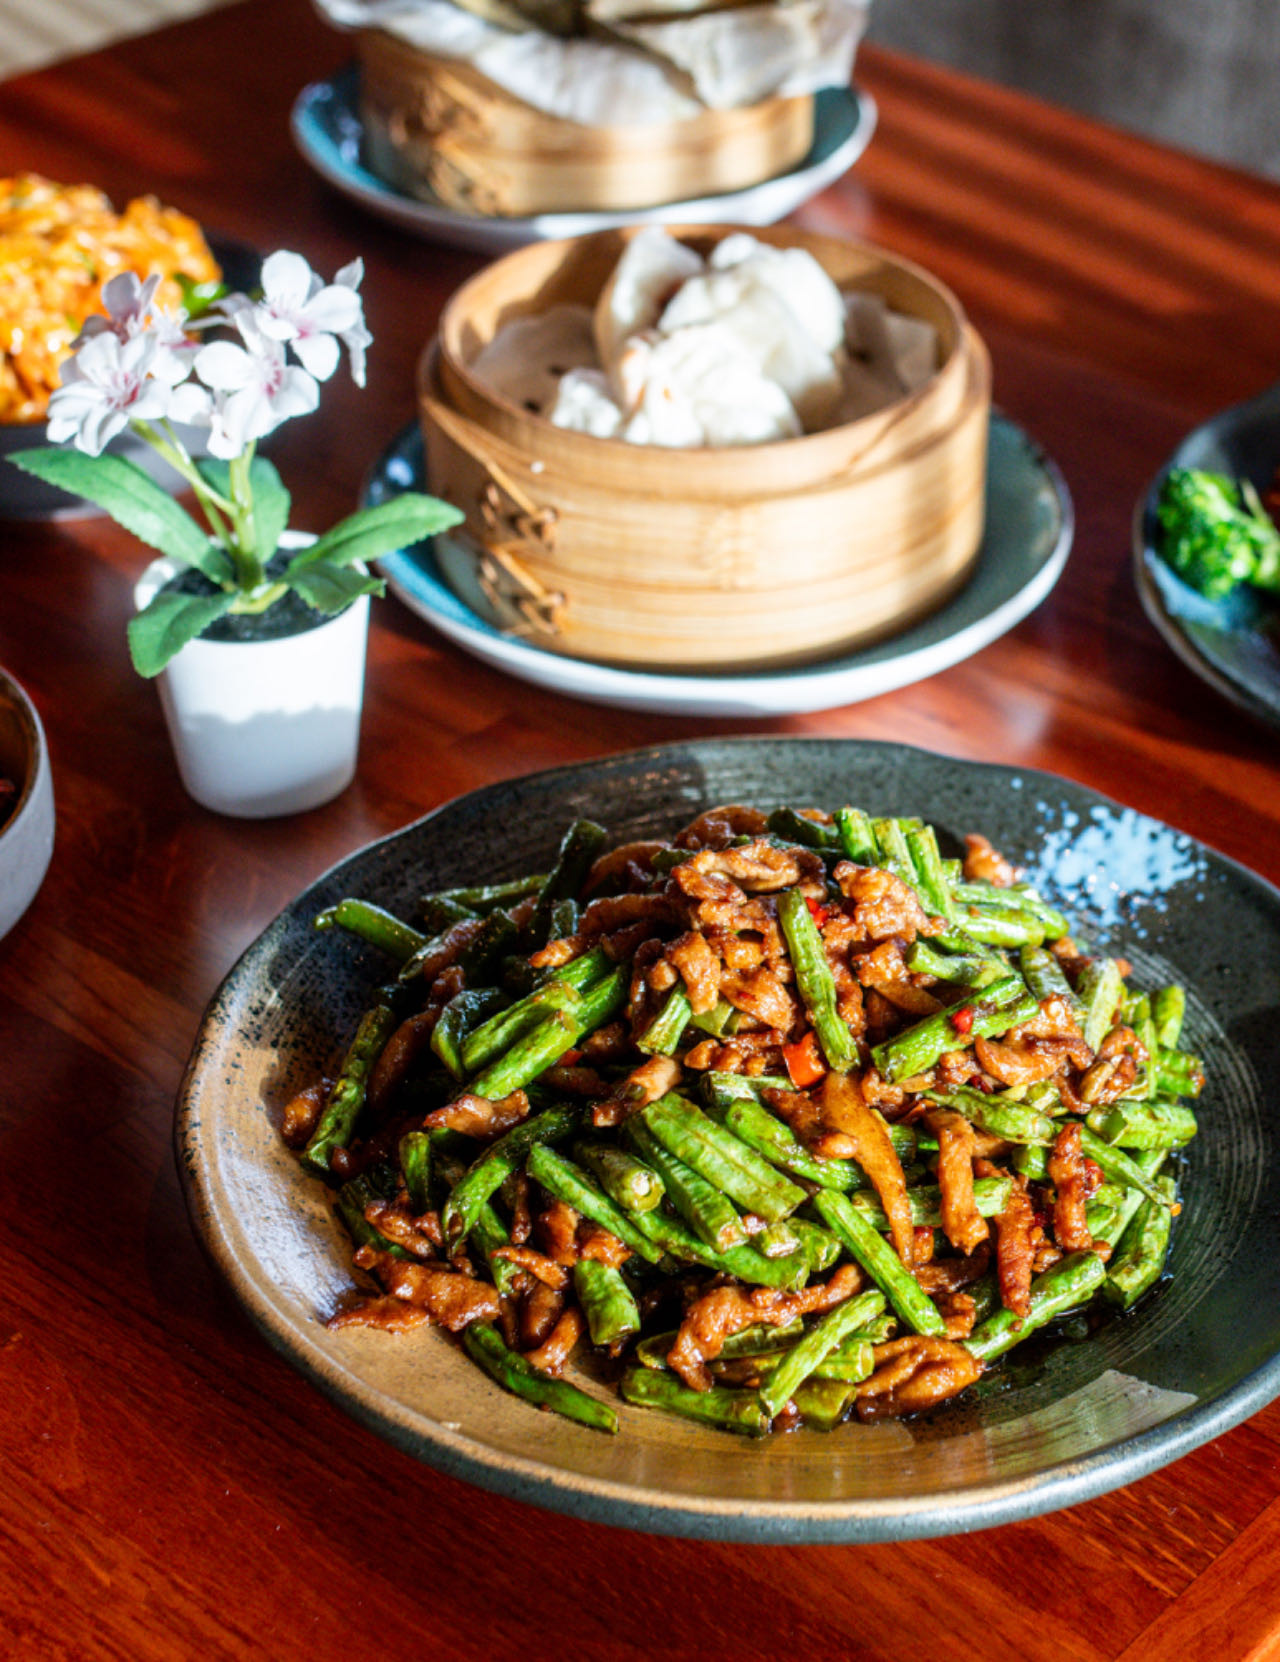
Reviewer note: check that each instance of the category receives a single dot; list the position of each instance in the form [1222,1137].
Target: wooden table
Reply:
[170,1488]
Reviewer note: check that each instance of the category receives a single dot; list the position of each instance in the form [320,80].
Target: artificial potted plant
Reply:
[257,634]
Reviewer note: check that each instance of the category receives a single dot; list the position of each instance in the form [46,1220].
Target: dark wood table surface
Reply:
[172,1489]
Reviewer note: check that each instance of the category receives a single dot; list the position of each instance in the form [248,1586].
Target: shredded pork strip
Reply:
[302,1112]
[962,1223]
[913,1374]
[717,827]
[389,1314]
[538,1265]
[540,1309]
[1016,1234]
[476,1116]
[805,1117]
[450,1298]
[642,1086]
[983,863]
[558,1232]
[711,1319]
[882,904]
[551,1356]
[1070,1181]
[408,1042]
[397,1222]
[844,1109]
[699,969]
[759,993]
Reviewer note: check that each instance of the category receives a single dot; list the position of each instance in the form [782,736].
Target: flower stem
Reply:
[170,446]
[261,598]
[214,505]
[246,554]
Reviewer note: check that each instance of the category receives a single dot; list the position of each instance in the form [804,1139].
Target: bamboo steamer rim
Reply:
[673,470]
[492,449]
[379,48]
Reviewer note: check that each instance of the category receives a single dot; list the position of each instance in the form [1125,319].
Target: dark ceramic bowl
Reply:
[1194,1358]
[22,496]
[1233,643]
[27,818]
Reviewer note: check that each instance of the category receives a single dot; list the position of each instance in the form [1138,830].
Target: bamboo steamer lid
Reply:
[436,128]
[758,556]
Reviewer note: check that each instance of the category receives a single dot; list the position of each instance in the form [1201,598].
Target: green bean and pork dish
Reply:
[790,1119]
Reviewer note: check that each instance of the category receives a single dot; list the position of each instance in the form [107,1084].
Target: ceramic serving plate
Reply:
[1028,534]
[1196,1357]
[328,132]
[1233,643]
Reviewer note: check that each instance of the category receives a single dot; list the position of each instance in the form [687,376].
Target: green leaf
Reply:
[398,523]
[330,588]
[168,622]
[271,504]
[271,500]
[131,498]
[198,298]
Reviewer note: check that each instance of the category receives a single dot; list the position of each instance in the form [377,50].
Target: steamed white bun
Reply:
[699,386]
[652,267]
[779,314]
[795,277]
[585,404]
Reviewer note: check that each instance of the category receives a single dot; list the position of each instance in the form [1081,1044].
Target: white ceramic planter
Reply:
[265,728]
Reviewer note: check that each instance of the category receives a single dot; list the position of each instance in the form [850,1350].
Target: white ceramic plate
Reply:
[1030,523]
[327,130]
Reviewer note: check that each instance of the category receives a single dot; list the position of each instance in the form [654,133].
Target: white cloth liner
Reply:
[716,60]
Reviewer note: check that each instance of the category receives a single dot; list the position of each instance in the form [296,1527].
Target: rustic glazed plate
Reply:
[1232,643]
[1029,527]
[1192,1360]
[329,134]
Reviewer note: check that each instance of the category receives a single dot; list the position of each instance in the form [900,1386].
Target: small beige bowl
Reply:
[26,835]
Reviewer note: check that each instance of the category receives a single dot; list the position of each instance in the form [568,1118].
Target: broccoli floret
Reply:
[1216,534]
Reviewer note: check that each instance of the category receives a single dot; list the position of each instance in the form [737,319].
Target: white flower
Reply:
[299,309]
[127,303]
[357,337]
[192,405]
[256,387]
[130,312]
[109,383]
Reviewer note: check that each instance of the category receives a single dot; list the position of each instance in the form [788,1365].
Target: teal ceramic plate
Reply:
[1234,643]
[328,132]
[1024,548]
[1196,1357]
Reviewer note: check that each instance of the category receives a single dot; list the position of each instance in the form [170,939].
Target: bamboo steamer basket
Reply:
[437,129]
[752,557]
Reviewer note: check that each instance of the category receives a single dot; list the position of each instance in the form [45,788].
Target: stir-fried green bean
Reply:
[535,1110]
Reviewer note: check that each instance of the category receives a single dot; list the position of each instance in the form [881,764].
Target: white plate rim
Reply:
[847,680]
[761,204]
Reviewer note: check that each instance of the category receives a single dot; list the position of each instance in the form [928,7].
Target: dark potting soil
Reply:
[289,616]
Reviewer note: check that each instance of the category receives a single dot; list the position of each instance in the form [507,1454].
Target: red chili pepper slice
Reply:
[817,911]
[805,1065]
[962,1019]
